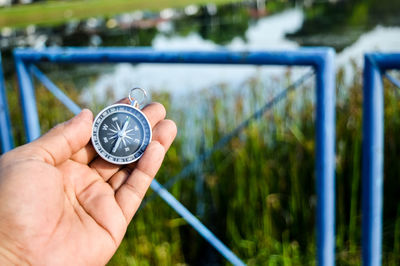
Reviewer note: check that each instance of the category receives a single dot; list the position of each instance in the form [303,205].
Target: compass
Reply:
[121,132]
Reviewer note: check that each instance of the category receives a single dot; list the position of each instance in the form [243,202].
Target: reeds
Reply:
[257,194]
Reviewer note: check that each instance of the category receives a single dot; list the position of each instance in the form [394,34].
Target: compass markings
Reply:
[117,128]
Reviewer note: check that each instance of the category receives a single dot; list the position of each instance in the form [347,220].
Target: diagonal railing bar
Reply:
[157,187]
[228,137]
[195,223]
[392,80]
[59,94]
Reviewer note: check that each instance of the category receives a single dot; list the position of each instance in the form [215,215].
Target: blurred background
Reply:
[256,193]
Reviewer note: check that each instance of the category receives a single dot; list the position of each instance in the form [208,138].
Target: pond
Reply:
[351,27]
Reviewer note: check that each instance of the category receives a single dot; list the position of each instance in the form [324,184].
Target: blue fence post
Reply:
[375,65]
[28,100]
[325,159]
[372,169]
[6,137]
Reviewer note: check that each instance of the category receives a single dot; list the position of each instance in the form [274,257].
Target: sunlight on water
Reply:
[380,39]
[267,33]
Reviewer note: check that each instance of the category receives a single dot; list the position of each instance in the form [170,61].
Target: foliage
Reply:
[57,12]
[340,23]
[257,193]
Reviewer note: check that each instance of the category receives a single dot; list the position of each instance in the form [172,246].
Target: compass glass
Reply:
[121,133]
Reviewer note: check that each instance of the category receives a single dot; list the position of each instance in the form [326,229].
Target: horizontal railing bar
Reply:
[300,57]
[385,61]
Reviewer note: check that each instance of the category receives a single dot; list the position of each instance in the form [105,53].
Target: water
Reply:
[268,33]
[351,27]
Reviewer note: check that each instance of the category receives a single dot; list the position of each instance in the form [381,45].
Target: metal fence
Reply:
[376,66]
[6,137]
[320,59]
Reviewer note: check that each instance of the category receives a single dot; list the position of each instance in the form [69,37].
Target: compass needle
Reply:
[125,125]
[116,145]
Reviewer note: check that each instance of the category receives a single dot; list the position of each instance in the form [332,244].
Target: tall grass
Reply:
[257,194]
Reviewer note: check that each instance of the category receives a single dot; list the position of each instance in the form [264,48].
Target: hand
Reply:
[61,204]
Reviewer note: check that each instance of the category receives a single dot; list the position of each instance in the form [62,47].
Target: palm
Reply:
[75,211]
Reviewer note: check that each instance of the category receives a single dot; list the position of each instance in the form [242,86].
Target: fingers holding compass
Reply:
[164,133]
[131,189]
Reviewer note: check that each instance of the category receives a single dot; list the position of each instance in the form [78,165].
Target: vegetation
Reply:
[56,12]
[257,193]
[342,23]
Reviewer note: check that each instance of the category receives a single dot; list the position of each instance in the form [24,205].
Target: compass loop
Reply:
[137,97]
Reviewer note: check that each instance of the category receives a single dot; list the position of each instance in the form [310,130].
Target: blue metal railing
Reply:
[375,68]
[321,59]
[6,137]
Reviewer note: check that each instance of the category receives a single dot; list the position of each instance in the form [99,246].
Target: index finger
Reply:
[130,194]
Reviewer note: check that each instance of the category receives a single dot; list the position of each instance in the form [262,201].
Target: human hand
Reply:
[61,204]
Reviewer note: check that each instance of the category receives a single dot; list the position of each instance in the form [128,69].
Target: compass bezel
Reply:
[127,109]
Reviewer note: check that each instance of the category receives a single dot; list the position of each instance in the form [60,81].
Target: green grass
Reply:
[257,193]
[57,12]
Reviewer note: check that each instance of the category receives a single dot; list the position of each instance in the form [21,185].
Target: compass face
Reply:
[121,133]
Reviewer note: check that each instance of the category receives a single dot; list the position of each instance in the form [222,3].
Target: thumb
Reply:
[65,139]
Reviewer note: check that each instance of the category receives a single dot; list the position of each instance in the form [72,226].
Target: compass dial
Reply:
[121,134]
